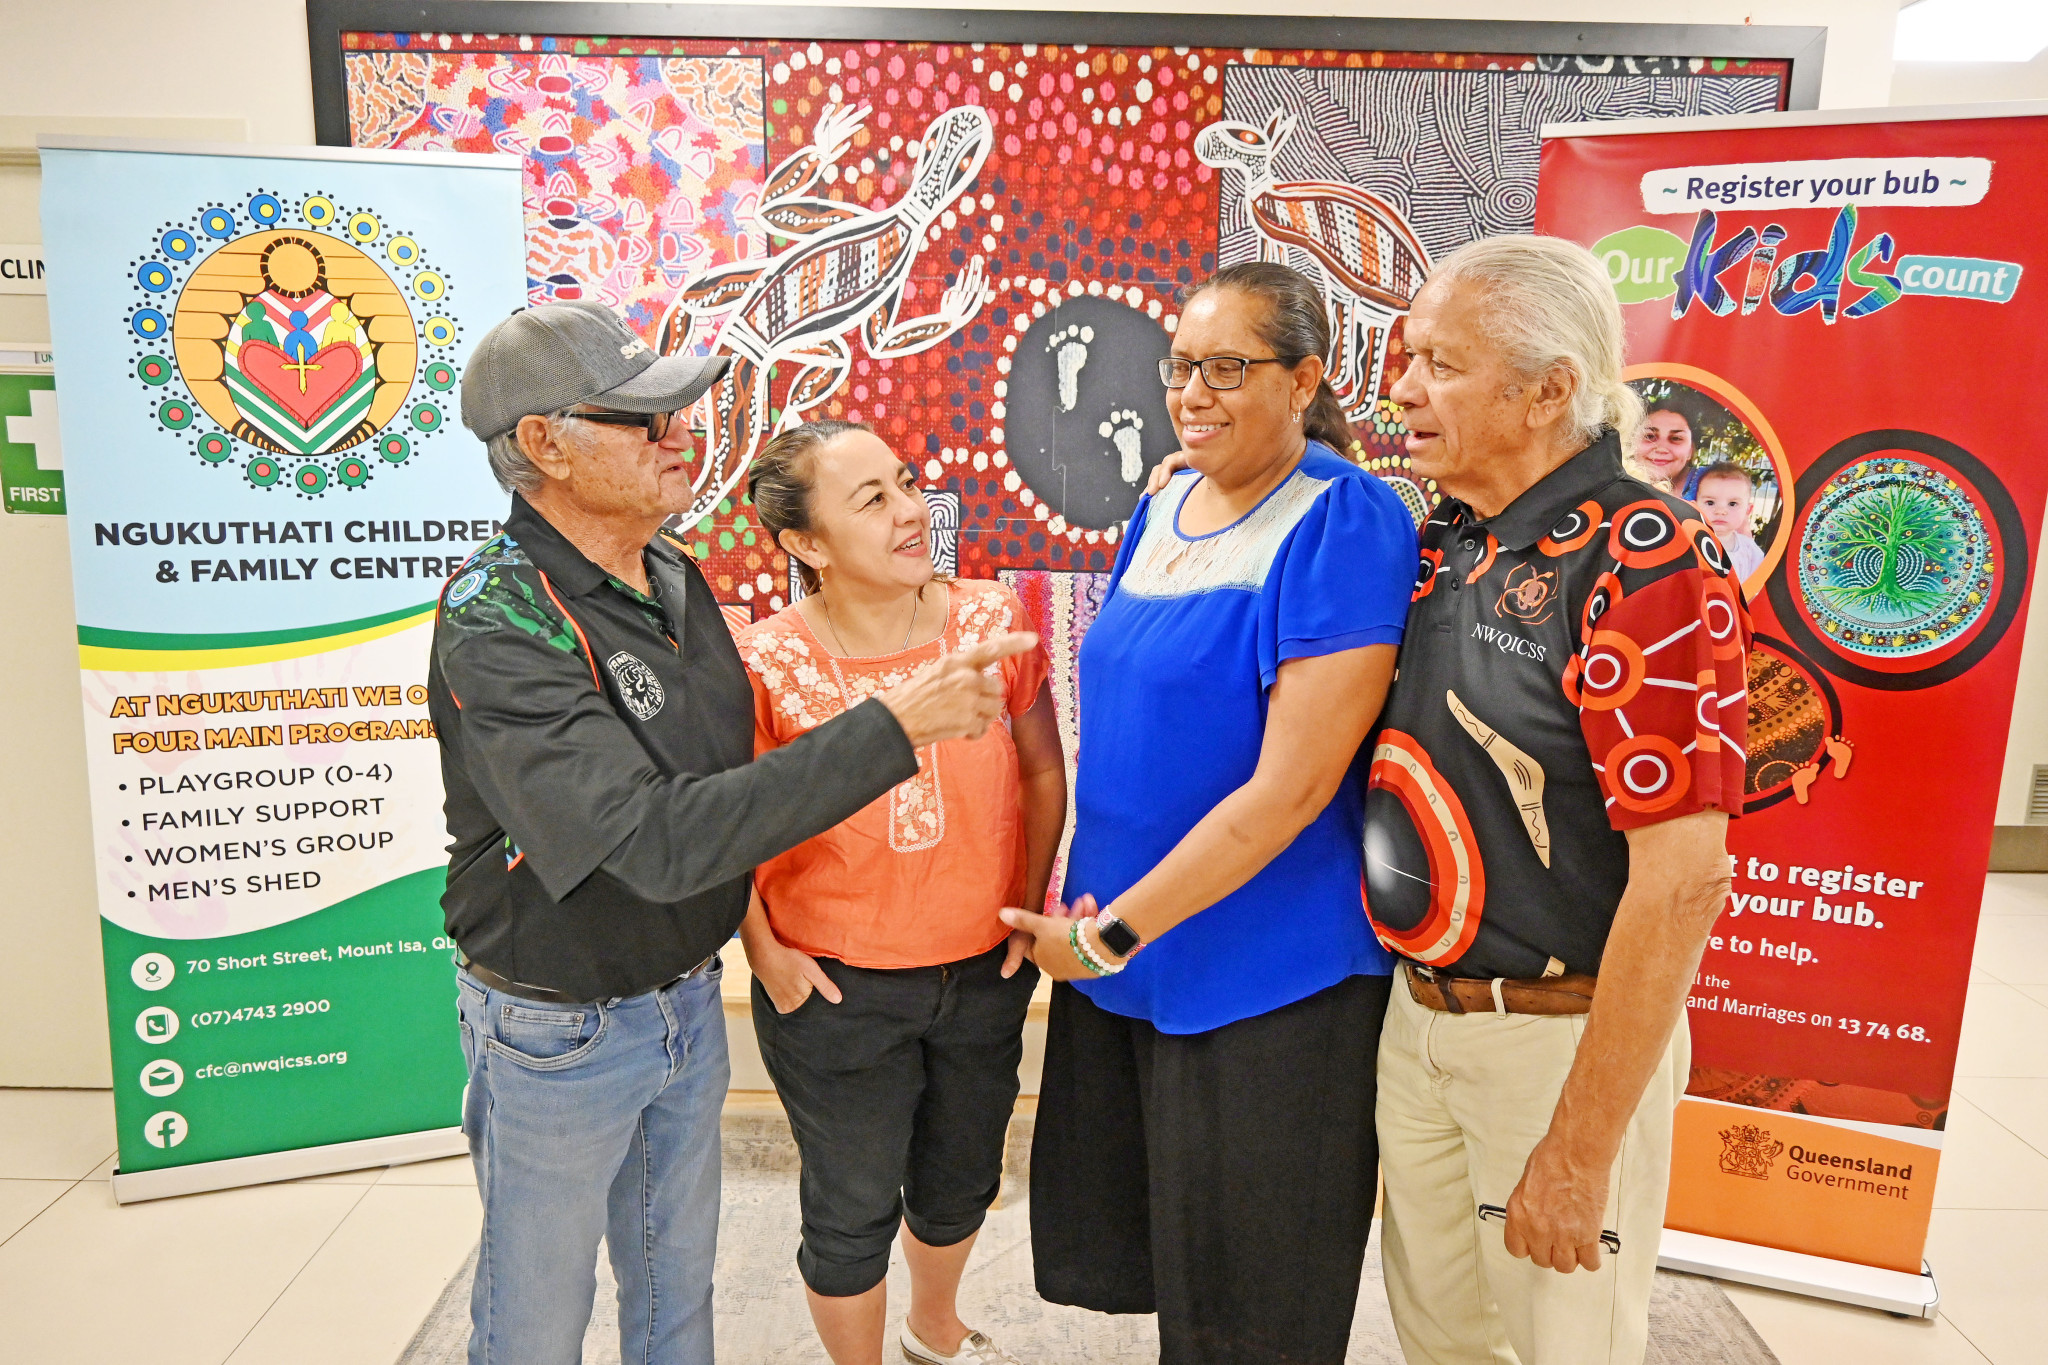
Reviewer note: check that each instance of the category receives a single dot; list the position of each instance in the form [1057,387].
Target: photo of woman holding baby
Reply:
[1696,447]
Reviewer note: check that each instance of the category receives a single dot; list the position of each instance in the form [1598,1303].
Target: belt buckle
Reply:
[1452,1004]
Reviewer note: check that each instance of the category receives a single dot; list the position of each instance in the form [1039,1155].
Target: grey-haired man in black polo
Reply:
[596,733]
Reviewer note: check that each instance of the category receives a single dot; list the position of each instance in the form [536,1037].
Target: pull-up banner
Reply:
[267,483]
[1834,326]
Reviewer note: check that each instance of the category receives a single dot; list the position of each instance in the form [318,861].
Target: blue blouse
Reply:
[1173,679]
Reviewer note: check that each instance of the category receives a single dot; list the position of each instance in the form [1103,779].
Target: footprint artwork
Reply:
[1122,430]
[1069,350]
[1077,434]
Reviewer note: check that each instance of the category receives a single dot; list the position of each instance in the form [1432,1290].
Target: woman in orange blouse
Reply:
[889,999]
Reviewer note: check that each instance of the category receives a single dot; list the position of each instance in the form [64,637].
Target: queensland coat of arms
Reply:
[289,324]
[1748,1150]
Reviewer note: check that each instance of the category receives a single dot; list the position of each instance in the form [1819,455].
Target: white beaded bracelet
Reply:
[1092,960]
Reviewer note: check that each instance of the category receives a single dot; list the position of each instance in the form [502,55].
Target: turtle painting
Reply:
[295,342]
[847,272]
[1368,260]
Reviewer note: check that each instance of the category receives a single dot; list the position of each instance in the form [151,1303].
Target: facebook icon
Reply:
[164,1129]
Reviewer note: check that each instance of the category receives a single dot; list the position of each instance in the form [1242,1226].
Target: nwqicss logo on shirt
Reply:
[638,687]
[278,337]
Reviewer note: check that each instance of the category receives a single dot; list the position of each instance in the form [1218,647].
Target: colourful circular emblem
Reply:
[429,286]
[1897,559]
[294,338]
[466,587]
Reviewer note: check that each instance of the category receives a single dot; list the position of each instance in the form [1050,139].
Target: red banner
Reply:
[1838,329]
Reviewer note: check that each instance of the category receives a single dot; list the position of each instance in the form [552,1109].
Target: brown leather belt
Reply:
[1569,994]
[524,991]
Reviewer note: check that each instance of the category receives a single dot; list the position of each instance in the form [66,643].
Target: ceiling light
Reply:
[1971,31]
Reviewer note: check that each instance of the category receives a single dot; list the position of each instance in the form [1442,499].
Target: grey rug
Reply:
[761,1318]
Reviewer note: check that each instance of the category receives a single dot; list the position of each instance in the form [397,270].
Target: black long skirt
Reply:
[1223,1180]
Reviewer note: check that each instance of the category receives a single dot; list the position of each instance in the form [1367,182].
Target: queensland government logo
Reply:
[289,326]
[1748,1150]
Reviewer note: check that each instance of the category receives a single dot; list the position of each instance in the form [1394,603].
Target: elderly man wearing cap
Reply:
[596,732]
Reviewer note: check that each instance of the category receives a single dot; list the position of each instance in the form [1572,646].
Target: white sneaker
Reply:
[975,1350]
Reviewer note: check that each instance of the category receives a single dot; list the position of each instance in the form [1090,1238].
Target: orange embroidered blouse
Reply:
[917,877]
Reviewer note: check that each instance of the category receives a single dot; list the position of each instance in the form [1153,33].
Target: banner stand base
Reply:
[1819,1277]
[396,1150]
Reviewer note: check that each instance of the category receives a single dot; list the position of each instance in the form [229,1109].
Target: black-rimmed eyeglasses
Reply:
[655,424]
[1218,371]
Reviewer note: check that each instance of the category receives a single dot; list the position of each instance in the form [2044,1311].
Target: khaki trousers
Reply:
[1463,1100]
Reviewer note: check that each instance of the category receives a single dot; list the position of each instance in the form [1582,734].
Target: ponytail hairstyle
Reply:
[1296,325]
[779,482]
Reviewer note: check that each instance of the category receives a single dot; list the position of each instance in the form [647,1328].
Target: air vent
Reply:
[2037,796]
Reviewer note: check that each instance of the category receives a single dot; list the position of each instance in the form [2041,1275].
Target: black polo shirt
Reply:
[1574,668]
[597,747]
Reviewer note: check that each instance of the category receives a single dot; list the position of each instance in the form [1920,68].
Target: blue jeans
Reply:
[589,1121]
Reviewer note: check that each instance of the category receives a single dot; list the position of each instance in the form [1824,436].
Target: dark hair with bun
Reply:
[779,482]
[1296,325]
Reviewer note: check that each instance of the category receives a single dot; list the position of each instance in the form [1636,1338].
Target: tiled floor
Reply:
[343,1268]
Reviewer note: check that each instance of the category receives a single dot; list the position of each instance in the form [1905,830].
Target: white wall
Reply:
[1969,82]
[243,65]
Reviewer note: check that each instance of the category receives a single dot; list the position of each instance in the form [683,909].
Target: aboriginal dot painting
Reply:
[978,247]
[1896,560]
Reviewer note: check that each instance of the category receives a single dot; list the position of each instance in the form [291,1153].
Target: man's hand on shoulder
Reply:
[1164,471]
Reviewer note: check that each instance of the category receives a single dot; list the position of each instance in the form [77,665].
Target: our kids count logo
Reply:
[300,341]
[1840,274]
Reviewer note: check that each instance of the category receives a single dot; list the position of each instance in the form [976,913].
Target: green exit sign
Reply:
[31,456]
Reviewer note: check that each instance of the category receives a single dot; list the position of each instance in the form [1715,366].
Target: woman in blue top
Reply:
[1204,1144]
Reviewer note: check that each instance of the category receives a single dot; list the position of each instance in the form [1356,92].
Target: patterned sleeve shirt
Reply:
[1574,668]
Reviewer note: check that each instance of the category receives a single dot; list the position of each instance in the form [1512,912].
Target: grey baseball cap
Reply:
[549,357]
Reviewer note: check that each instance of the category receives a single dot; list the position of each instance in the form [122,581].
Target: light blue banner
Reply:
[260,389]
